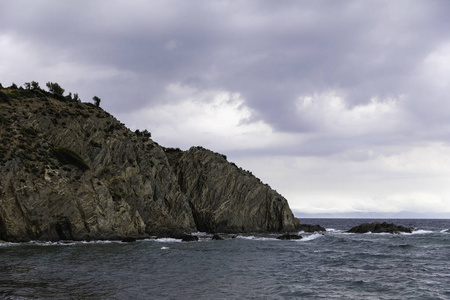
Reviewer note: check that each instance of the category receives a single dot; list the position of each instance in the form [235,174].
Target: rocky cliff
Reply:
[226,198]
[70,170]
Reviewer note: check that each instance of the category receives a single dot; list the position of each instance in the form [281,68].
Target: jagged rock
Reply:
[71,171]
[128,189]
[225,198]
[309,228]
[217,237]
[377,227]
[185,237]
[129,240]
[288,236]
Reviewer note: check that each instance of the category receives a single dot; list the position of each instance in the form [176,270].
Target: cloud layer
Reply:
[338,105]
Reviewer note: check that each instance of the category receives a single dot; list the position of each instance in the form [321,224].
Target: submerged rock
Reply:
[288,236]
[185,237]
[217,237]
[377,227]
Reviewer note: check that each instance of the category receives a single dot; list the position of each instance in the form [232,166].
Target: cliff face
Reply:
[69,170]
[225,198]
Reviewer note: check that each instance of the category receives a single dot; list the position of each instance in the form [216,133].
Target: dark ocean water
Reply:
[335,265]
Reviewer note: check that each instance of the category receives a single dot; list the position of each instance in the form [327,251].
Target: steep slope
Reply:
[225,198]
[70,170]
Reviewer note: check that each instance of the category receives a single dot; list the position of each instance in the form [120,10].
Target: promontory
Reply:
[71,171]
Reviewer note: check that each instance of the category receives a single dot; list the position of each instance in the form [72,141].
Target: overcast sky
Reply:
[338,105]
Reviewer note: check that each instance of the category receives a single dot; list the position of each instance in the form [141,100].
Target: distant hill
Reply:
[374,215]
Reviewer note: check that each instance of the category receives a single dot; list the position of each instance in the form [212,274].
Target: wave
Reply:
[201,234]
[418,231]
[445,231]
[61,243]
[311,237]
[255,238]
[165,240]
[7,244]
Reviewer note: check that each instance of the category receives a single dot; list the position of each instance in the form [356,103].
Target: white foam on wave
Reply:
[103,242]
[255,238]
[58,243]
[167,240]
[7,244]
[164,248]
[201,234]
[418,231]
[445,231]
[311,237]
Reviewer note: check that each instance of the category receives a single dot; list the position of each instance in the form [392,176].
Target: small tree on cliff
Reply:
[35,85]
[96,101]
[55,88]
[32,85]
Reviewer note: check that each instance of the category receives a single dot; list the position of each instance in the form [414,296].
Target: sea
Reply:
[329,265]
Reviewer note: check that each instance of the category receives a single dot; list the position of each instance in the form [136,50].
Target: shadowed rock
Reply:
[288,236]
[128,240]
[377,227]
[186,237]
[217,237]
[70,170]
[225,198]
[309,228]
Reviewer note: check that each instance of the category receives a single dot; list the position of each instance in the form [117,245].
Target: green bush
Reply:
[96,101]
[67,156]
[55,88]
[4,97]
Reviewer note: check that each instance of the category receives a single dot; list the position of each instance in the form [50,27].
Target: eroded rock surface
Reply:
[70,170]
[225,198]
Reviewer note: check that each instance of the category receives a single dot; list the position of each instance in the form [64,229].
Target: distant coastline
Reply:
[372,215]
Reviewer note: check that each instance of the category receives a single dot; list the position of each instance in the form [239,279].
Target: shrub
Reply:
[96,101]
[35,85]
[69,97]
[145,133]
[4,97]
[55,88]
[3,120]
[67,156]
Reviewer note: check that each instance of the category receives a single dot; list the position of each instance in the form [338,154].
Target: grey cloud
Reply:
[269,52]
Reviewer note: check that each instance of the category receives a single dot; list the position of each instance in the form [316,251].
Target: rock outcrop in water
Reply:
[377,227]
[70,170]
[310,228]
